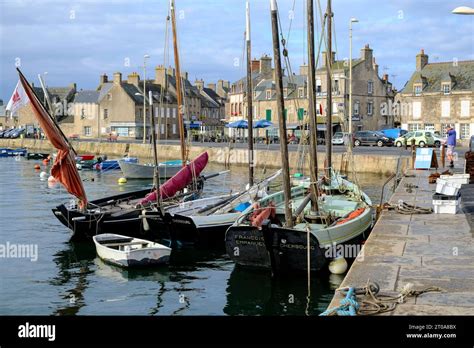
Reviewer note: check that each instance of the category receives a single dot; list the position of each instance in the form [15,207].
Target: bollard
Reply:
[413,154]
[443,155]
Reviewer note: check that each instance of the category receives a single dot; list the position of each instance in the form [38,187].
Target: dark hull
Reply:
[177,229]
[36,156]
[279,249]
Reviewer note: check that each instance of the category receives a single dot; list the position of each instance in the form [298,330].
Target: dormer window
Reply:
[285,93]
[300,93]
[268,94]
[417,89]
[446,88]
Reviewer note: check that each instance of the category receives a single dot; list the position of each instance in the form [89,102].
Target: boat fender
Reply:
[146,225]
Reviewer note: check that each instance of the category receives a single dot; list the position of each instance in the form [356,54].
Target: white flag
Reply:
[18,99]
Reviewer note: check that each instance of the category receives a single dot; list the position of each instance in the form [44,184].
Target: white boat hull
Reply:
[142,171]
[137,252]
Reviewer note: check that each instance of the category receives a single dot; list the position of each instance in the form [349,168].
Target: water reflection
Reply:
[255,292]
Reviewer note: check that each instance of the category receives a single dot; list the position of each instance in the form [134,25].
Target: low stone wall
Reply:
[364,163]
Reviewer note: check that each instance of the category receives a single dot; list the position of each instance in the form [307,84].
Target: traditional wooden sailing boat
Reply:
[284,232]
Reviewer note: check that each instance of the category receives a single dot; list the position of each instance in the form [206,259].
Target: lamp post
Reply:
[145,57]
[353,20]
[463,10]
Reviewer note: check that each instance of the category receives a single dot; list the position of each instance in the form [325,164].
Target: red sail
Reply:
[181,179]
[64,168]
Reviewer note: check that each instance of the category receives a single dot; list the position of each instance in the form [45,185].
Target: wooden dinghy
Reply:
[126,251]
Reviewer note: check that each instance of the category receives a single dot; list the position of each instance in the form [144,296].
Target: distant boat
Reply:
[130,252]
[7,152]
[36,156]
[114,163]
[133,170]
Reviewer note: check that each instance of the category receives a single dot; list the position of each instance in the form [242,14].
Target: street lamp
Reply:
[463,10]
[145,57]
[353,20]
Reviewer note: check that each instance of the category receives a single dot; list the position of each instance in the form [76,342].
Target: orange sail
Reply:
[64,168]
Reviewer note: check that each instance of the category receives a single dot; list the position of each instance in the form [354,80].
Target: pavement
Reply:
[422,249]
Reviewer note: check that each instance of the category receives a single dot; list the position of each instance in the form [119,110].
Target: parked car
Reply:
[3,132]
[371,138]
[394,133]
[9,132]
[422,139]
[438,140]
[17,133]
[338,138]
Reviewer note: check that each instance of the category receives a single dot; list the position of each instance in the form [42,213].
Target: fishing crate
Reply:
[456,178]
[445,204]
[447,188]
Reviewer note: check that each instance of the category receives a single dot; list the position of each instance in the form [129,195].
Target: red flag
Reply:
[64,168]
[320,109]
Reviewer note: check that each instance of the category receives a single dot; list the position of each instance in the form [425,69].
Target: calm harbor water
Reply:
[69,279]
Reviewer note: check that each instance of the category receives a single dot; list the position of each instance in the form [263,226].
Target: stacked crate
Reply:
[447,199]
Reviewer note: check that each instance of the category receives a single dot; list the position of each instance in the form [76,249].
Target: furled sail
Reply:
[181,179]
[64,168]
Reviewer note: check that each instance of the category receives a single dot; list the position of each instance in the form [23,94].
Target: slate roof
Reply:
[434,74]
[292,83]
[191,91]
[341,64]
[87,96]
[3,110]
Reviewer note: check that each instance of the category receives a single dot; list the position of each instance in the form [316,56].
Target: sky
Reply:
[78,40]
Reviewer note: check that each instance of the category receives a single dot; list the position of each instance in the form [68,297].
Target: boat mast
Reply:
[329,15]
[156,172]
[312,108]
[179,88]
[280,115]
[249,95]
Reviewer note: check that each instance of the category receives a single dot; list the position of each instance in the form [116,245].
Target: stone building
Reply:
[437,95]
[369,93]
[213,101]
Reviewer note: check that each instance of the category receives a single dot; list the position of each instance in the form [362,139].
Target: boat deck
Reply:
[422,249]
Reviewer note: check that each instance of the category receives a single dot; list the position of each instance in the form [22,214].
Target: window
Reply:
[162,131]
[162,113]
[318,109]
[417,89]
[356,108]
[268,94]
[465,132]
[430,127]
[445,108]
[414,127]
[240,108]
[416,110]
[446,88]
[318,86]
[255,94]
[174,128]
[285,93]
[106,114]
[122,131]
[465,108]
[301,93]
[370,87]
[335,88]
[174,113]
[268,114]
[300,114]
[389,89]
[87,131]
[335,108]
[370,108]
[418,134]
[109,96]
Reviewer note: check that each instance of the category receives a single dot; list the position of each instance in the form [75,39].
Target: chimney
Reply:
[103,79]
[255,65]
[184,75]
[160,76]
[324,57]
[221,92]
[226,84]
[376,67]
[266,67]
[212,86]
[73,86]
[421,60]
[304,70]
[171,72]
[133,78]
[117,78]
[199,84]
[366,56]
[385,77]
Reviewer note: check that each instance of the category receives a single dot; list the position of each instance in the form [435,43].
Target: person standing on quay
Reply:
[451,145]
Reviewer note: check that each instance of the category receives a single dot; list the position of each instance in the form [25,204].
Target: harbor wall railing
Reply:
[363,163]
